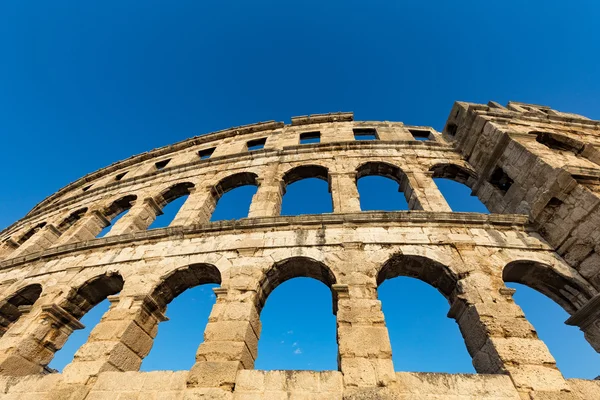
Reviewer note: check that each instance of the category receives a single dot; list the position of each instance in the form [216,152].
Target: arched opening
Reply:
[423,339]
[455,184]
[30,233]
[382,187]
[13,307]
[232,196]
[171,200]
[88,304]
[547,298]
[115,211]
[306,191]
[298,326]
[188,294]
[71,219]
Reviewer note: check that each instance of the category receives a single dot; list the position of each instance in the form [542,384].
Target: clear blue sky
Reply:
[85,84]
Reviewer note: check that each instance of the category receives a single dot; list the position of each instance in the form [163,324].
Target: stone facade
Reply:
[534,168]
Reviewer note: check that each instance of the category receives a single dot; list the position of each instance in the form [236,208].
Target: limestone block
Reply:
[364,341]
[220,374]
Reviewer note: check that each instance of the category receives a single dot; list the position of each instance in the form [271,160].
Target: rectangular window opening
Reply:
[421,134]
[310,137]
[257,144]
[206,153]
[120,176]
[161,164]
[365,134]
[501,180]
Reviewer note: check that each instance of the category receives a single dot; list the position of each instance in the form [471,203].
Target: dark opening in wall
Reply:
[557,141]
[31,232]
[256,144]
[451,129]
[85,189]
[206,153]
[365,134]
[120,176]
[421,134]
[501,180]
[161,164]
[310,137]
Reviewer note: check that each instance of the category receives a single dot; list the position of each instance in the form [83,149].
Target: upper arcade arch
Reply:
[294,202]
[390,171]
[458,192]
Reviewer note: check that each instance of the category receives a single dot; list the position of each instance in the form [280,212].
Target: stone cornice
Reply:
[399,218]
[233,158]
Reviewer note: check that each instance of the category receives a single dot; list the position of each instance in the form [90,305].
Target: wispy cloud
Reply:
[298,351]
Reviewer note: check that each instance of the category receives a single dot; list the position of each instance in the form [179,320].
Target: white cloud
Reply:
[298,351]
[290,332]
[295,344]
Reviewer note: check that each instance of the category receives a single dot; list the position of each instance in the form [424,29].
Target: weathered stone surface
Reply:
[536,169]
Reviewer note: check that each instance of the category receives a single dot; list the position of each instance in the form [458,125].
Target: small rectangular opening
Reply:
[85,189]
[161,164]
[365,134]
[206,153]
[310,137]
[501,180]
[120,176]
[256,144]
[421,134]
[451,129]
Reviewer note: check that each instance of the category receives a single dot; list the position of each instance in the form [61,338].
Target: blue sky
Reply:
[85,84]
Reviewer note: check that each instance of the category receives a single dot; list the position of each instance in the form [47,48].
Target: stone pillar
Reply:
[87,228]
[344,192]
[120,341]
[198,207]
[501,340]
[587,318]
[423,194]
[31,342]
[138,218]
[267,200]
[40,241]
[230,340]
[365,352]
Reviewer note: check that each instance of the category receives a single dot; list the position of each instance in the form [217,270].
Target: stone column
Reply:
[230,340]
[87,228]
[138,218]
[198,207]
[365,352]
[587,318]
[121,339]
[30,344]
[423,194]
[344,192]
[41,240]
[267,200]
[501,340]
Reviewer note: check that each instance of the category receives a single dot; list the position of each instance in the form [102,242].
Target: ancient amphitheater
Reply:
[536,169]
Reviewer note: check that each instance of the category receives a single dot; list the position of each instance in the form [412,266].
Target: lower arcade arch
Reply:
[423,338]
[310,182]
[60,340]
[13,307]
[298,330]
[549,298]
[182,293]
